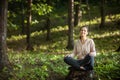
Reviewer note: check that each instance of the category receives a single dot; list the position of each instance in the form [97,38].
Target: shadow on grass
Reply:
[39,41]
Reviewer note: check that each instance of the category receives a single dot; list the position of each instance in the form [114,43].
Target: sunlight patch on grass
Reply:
[36,33]
[59,28]
[96,20]
[16,38]
[107,42]
[106,34]
[112,17]
[58,47]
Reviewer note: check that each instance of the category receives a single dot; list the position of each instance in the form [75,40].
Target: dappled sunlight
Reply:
[112,17]
[91,22]
[16,43]
[58,42]
[97,20]
[38,41]
[36,33]
[105,34]
[59,28]
[107,43]
[53,48]
[16,38]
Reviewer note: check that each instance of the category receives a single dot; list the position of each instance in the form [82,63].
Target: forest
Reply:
[35,35]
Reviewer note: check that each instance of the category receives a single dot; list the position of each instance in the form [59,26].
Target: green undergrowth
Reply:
[37,66]
[42,66]
[107,66]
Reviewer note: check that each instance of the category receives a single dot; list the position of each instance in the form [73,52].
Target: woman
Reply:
[84,49]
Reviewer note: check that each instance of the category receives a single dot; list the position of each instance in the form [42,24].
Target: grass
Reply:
[45,66]
[37,65]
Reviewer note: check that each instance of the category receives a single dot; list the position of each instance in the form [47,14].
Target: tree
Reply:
[48,22]
[78,13]
[44,8]
[102,9]
[22,17]
[3,33]
[48,27]
[118,50]
[70,24]
[29,18]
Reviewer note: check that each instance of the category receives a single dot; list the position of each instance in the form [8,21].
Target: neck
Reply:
[83,38]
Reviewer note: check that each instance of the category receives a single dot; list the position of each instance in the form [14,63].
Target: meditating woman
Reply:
[84,49]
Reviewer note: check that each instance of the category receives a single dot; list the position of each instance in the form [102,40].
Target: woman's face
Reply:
[83,32]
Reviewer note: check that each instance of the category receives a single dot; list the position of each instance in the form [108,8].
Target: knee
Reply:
[90,57]
[66,59]
[92,61]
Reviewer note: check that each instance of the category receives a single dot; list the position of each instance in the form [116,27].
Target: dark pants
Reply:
[87,62]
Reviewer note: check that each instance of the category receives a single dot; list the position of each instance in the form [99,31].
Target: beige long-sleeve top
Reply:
[81,50]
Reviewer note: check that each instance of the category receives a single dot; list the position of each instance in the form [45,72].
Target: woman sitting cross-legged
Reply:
[84,49]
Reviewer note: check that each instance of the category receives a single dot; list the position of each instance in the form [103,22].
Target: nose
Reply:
[82,31]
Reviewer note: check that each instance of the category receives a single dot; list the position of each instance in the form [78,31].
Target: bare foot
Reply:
[81,67]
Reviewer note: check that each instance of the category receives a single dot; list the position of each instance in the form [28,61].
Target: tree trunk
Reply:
[48,22]
[88,9]
[78,13]
[70,24]
[3,33]
[22,18]
[48,28]
[118,1]
[29,17]
[102,8]
[118,50]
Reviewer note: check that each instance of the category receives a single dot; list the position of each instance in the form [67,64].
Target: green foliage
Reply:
[37,65]
[42,9]
[107,66]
